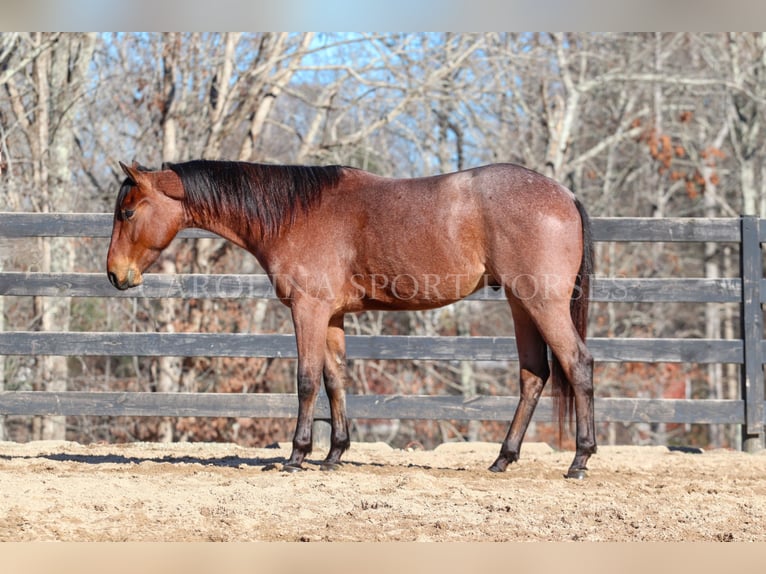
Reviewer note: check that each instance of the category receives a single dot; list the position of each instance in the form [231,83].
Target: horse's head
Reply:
[147,216]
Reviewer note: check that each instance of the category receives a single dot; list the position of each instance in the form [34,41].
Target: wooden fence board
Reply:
[666,290]
[24,224]
[358,347]
[156,285]
[670,229]
[284,405]
[257,286]
[621,229]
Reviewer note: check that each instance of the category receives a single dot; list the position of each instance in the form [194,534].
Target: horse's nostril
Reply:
[112,278]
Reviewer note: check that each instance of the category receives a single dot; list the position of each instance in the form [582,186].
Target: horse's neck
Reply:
[245,235]
[229,232]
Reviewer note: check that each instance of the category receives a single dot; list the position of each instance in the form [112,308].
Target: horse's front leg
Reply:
[311,319]
[335,377]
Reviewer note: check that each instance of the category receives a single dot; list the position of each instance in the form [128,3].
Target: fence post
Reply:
[752,379]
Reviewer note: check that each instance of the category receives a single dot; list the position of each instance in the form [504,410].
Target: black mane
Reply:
[251,194]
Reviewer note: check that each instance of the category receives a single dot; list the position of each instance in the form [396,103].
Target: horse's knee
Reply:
[308,385]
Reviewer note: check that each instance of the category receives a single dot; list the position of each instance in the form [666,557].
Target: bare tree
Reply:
[47,86]
[748,67]
[665,124]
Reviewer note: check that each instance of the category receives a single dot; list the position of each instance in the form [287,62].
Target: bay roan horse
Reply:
[337,240]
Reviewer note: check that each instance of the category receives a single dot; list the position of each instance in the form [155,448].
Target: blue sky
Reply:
[387,16]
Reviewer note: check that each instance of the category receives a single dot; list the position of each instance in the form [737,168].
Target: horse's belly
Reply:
[413,290]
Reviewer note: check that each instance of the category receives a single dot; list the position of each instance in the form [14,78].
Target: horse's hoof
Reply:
[577,473]
[330,466]
[291,468]
[499,465]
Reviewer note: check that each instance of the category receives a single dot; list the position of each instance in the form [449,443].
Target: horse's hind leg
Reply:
[534,370]
[335,377]
[577,365]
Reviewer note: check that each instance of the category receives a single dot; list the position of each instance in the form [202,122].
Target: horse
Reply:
[335,240]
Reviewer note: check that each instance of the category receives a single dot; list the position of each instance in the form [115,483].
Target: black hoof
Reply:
[291,468]
[499,465]
[577,473]
[330,466]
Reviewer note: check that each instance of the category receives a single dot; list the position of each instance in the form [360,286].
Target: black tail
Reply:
[563,394]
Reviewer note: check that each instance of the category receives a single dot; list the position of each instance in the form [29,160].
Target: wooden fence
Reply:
[747,351]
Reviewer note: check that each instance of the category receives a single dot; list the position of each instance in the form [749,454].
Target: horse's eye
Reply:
[127,213]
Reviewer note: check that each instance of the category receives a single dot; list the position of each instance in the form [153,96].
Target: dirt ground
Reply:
[207,492]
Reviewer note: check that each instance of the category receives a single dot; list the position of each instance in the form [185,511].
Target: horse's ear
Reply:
[169,183]
[132,172]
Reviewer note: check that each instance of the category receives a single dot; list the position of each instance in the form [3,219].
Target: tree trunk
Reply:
[169,369]
[714,312]
[60,76]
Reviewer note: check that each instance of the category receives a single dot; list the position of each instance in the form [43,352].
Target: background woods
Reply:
[636,124]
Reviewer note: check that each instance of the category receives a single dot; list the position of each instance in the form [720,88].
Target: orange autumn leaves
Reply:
[679,163]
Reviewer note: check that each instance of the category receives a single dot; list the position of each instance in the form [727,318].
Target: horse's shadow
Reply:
[231,461]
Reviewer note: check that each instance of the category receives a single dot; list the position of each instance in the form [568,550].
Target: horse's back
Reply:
[471,212]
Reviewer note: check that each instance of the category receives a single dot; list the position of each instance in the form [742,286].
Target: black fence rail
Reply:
[748,351]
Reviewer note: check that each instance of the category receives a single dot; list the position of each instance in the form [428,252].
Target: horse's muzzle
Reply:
[126,283]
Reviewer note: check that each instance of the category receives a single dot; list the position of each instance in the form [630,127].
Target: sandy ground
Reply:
[209,492]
